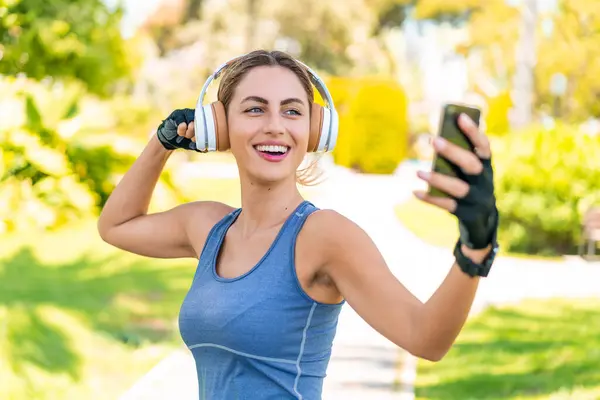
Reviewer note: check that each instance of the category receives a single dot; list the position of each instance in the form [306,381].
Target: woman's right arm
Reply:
[176,233]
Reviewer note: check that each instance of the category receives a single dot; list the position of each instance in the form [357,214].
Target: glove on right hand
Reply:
[167,130]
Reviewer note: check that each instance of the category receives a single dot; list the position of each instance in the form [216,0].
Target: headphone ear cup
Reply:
[316,127]
[221,129]
[213,136]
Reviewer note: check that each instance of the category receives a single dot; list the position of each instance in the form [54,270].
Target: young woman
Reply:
[262,310]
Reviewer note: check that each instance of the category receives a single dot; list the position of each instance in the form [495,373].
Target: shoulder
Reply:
[342,251]
[210,211]
[199,217]
[332,232]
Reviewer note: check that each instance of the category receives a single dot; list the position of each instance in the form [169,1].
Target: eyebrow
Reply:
[262,100]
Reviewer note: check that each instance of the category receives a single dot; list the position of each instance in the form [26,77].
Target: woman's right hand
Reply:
[177,131]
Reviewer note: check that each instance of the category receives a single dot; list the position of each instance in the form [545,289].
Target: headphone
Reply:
[212,133]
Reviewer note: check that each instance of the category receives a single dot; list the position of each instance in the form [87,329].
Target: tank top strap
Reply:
[213,241]
[295,223]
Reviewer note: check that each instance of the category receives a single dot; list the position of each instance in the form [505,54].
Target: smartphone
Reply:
[449,130]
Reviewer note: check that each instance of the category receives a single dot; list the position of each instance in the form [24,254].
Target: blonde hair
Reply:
[240,67]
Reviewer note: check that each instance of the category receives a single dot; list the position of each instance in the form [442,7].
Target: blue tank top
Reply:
[259,335]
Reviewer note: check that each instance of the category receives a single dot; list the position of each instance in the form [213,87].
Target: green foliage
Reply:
[95,166]
[545,179]
[64,39]
[132,117]
[325,51]
[48,179]
[389,13]
[373,123]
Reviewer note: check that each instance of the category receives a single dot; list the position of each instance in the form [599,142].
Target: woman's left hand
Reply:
[471,194]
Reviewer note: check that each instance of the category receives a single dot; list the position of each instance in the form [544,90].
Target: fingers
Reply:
[466,160]
[190,132]
[186,130]
[181,129]
[446,203]
[453,186]
[479,140]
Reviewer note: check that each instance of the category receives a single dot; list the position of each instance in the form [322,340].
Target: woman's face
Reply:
[269,123]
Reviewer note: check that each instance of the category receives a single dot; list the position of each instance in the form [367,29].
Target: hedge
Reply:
[374,134]
[546,179]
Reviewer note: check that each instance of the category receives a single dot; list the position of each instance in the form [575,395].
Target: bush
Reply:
[545,181]
[52,171]
[48,180]
[373,123]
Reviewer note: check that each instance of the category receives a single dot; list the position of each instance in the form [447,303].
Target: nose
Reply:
[274,124]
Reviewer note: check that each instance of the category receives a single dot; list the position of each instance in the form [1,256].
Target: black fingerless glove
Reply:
[476,212]
[167,130]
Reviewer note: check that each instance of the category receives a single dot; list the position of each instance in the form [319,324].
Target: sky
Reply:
[136,12]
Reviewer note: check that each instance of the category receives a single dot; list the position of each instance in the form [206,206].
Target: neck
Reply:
[266,205]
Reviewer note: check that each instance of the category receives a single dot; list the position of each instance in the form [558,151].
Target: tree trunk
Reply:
[523,80]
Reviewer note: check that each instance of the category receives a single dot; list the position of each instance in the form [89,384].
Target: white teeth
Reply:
[272,148]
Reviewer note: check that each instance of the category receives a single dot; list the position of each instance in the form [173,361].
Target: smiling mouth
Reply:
[272,152]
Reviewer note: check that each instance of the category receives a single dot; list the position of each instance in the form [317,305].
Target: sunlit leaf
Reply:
[47,160]
[34,119]
[78,194]
[72,110]
[21,138]
[2,164]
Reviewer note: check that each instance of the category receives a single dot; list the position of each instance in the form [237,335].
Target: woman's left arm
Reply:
[354,263]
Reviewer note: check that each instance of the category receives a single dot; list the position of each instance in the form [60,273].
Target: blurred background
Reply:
[84,83]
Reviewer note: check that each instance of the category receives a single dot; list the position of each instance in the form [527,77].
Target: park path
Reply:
[365,365]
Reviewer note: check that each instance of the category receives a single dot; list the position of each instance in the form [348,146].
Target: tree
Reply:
[167,21]
[564,40]
[319,33]
[525,57]
[63,39]
[322,31]
[569,47]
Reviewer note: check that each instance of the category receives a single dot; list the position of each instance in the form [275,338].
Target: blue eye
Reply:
[253,110]
[296,112]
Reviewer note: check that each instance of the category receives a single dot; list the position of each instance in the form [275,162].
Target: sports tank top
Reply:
[257,336]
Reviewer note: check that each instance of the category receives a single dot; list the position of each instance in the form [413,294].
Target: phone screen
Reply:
[450,131]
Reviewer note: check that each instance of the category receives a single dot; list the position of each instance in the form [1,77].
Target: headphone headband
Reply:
[315,79]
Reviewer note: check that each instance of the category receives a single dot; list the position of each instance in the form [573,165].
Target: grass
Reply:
[440,228]
[82,320]
[431,224]
[536,350]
